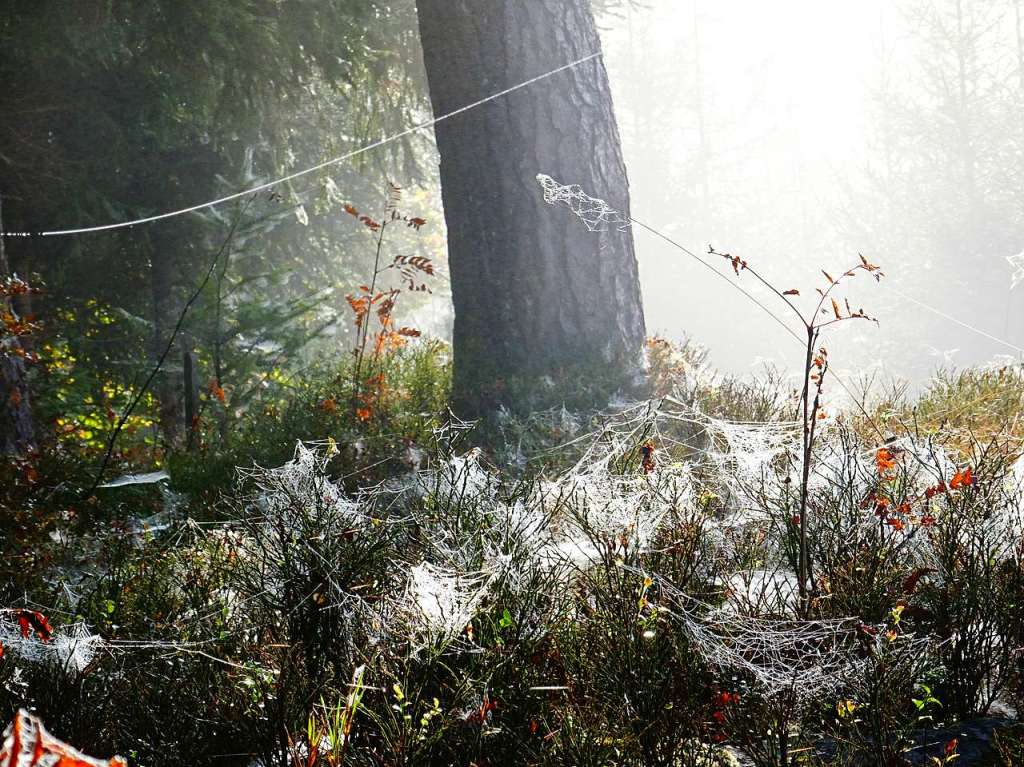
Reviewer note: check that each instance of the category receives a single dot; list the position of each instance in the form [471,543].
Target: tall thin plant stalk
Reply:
[827,311]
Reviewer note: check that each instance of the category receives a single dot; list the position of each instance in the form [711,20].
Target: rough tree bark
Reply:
[17,429]
[537,297]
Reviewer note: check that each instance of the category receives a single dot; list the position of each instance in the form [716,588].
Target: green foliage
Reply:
[124,110]
[313,407]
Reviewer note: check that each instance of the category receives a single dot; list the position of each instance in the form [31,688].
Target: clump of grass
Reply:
[974,405]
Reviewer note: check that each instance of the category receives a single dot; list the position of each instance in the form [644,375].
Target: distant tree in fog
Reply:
[942,196]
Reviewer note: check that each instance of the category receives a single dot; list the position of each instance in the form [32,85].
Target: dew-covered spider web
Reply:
[748,449]
[806,657]
[745,454]
[1017,264]
[438,602]
[472,536]
[71,649]
[595,213]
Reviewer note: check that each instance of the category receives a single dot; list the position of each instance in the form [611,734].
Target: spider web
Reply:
[595,213]
[807,657]
[1017,263]
[438,603]
[72,649]
[745,454]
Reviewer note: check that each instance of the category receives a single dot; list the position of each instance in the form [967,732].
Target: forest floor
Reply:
[613,587]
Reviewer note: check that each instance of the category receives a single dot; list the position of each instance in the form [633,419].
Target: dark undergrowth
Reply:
[563,588]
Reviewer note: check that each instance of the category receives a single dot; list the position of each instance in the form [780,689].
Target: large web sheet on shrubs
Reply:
[602,507]
[806,657]
[71,648]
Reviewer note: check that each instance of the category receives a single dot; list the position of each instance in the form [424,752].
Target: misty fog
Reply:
[512,382]
[799,134]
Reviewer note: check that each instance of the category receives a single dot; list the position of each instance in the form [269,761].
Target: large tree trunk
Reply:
[17,429]
[537,297]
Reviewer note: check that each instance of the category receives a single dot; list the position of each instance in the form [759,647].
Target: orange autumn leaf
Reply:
[388,340]
[835,309]
[962,479]
[359,305]
[882,507]
[867,264]
[217,391]
[329,406]
[370,223]
[351,210]
[885,461]
[364,414]
[26,743]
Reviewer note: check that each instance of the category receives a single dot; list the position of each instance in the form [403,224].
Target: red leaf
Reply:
[647,462]
[30,621]
[910,584]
